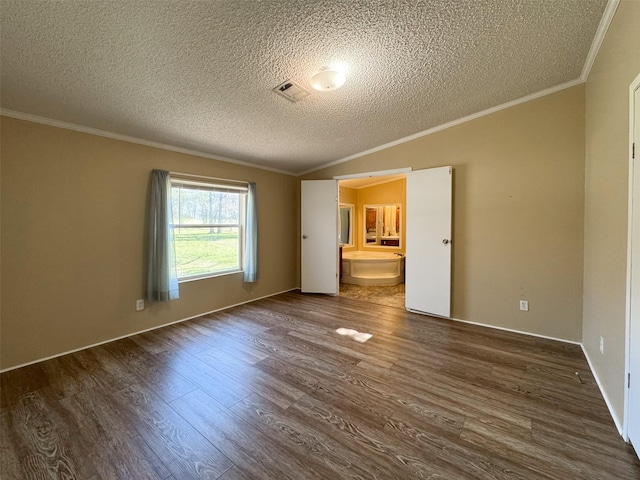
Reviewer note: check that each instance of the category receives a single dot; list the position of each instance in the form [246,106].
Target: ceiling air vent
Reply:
[291,91]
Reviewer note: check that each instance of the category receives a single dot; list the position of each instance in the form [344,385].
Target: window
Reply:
[208,225]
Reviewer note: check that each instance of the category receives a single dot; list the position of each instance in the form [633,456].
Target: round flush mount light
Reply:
[328,79]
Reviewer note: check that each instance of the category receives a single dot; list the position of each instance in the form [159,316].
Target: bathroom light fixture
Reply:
[328,79]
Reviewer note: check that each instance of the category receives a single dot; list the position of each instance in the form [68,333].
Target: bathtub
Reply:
[372,268]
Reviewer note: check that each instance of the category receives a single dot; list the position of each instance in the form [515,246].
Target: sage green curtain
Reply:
[251,237]
[162,277]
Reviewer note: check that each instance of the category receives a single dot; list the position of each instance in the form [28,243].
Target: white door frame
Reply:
[379,173]
[627,369]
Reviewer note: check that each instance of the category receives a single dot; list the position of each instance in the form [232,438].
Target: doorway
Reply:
[632,384]
[427,201]
[372,259]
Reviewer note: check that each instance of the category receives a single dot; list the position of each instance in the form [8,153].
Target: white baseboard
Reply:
[603,392]
[142,331]
[563,340]
[616,421]
[584,351]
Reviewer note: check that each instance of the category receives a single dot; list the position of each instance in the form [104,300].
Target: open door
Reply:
[633,332]
[319,210]
[428,247]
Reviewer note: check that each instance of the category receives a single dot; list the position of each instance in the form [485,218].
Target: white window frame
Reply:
[216,185]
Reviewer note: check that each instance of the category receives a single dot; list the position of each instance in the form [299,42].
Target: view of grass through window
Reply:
[206,227]
[199,252]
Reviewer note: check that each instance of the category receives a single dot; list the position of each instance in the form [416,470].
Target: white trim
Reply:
[126,138]
[602,391]
[179,176]
[584,351]
[453,123]
[546,337]
[379,173]
[143,331]
[204,276]
[627,332]
[373,184]
[601,32]
[603,26]
[595,376]
[605,22]
[398,174]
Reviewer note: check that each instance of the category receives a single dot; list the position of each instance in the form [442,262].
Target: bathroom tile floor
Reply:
[390,296]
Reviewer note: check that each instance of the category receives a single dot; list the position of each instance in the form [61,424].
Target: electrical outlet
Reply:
[601,346]
[140,304]
[524,305]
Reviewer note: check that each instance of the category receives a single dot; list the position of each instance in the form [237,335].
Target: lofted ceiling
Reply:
[199,75]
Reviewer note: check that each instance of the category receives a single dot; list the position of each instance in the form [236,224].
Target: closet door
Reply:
[319,210]
[428,247]
[633,332]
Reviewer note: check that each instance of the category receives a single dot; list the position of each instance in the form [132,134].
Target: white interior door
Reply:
[319,210]
[428,247]
[633,399]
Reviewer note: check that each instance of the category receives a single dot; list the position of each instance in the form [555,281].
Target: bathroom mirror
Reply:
[346,225]
[382,225]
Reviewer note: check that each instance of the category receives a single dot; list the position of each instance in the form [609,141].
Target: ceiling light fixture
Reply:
[328,79]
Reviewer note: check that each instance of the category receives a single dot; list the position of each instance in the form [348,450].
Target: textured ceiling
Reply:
[199,74]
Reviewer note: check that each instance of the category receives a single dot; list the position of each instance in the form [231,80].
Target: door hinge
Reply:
[628,380]
[633,150]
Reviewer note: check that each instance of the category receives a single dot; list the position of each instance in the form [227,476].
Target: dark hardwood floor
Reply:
[268,390]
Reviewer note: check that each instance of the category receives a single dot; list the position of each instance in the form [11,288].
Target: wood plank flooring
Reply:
[269,390]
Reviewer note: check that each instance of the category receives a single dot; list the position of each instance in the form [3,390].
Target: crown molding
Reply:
[125,138]
[603,27]
[453,123]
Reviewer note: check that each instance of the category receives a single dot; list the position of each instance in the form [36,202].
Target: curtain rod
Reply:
[202,177]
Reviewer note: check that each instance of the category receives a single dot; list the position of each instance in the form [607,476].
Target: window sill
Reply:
[208,275]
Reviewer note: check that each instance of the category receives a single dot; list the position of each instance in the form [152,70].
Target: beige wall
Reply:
[518,211]
[73,209]
[607,141]
[73,240]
